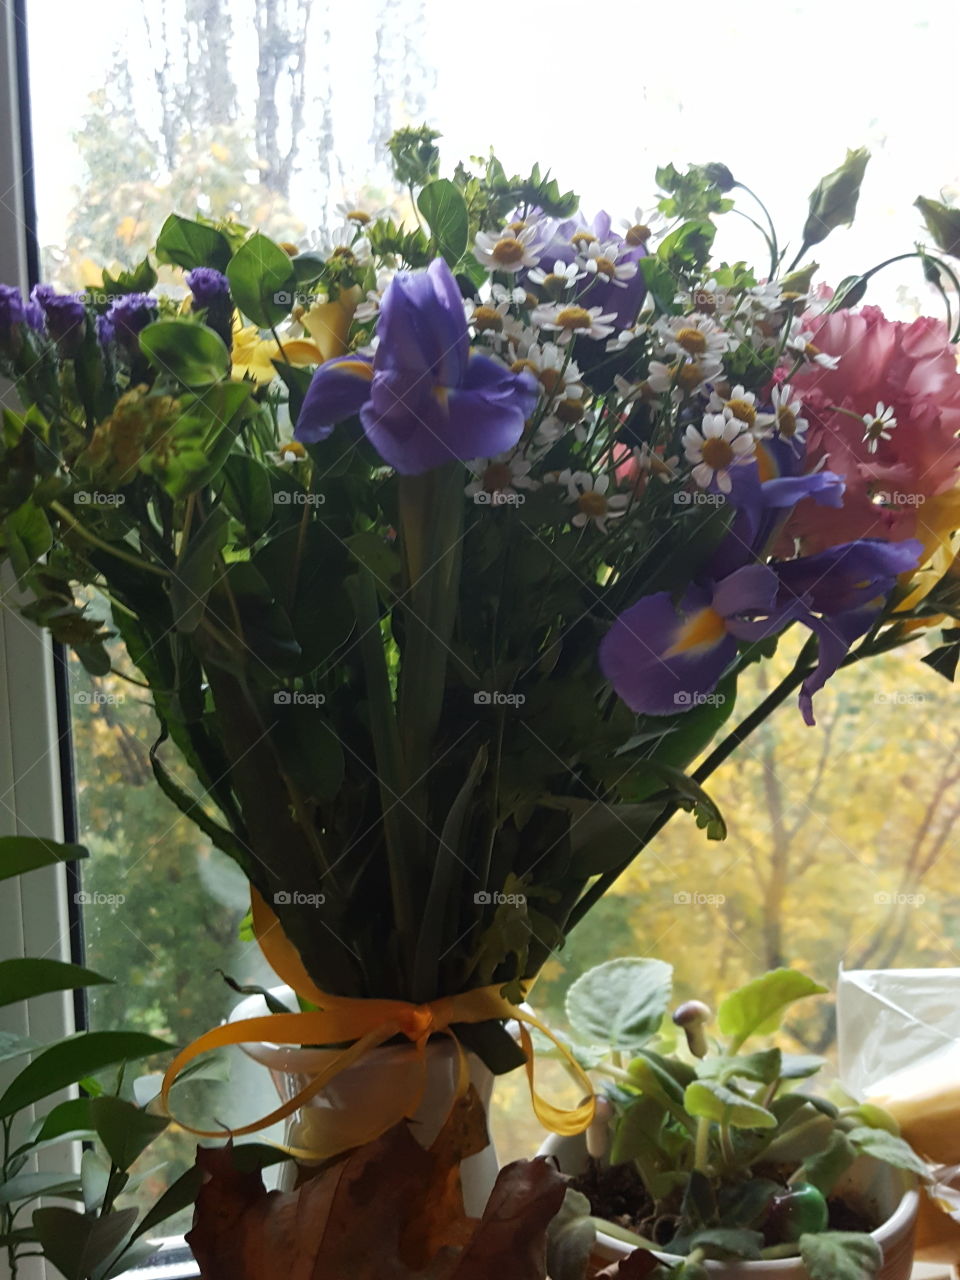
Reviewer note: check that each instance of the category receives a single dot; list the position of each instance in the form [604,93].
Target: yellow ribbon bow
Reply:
[364,1024]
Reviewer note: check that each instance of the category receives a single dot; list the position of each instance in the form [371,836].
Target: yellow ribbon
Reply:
[365,1024]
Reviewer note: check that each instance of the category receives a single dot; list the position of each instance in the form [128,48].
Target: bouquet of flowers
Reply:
[442,547]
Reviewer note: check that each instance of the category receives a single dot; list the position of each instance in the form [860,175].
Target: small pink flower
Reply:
[893,478]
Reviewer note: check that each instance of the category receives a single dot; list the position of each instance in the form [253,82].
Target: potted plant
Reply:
[715,1152]
[442,551]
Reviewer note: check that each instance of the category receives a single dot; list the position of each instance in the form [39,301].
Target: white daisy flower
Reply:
[742,405]
[546,435]
[590,322]
[719,445]
[589,493]
[653,465]
[801,344]
[287,454]
[359,216]
[765,297]
[625,337]
[878,426]
[693,336]
[486,317]
[787,411]
[549,364]
[643,226]
[600,260]
[684,377]
[509,251]
[627,391]
[498,479]
[515,297]
[345,243]
[710,298]
[556,282]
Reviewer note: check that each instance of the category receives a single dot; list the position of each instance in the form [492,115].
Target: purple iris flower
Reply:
[424,398]
[624,299]
[65,314]
[127,317]
[665,656]
[208,286]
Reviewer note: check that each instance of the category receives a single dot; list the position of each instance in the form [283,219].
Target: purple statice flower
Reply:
[33,315]
[425,397]
[126,318]
[65,314]
[105,331]
[12,309]
[208,286]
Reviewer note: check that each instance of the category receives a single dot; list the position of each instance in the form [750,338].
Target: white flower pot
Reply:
[868,1182]
[383,1070]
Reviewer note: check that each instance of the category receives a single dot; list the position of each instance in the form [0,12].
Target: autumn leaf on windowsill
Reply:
[387,1211]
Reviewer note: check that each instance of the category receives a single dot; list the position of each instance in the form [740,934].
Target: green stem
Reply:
[129,557]
[701,1151]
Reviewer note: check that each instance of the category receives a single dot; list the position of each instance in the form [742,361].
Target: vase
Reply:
[388,1069]
[868,1184]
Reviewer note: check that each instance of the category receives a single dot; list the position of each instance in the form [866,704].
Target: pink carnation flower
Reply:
[899,484]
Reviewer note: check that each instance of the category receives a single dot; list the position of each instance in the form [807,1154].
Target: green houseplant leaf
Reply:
[186,350]
[755,1009]
[19,854]
[840,1255]
[69,1060]
[189,244]
[25,977]
[78,1243]
[620,1003]
[714,1101]
[125,1130]
[443,206]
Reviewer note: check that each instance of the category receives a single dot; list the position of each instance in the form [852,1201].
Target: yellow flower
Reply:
[937,527]
[328,323]
[253,355]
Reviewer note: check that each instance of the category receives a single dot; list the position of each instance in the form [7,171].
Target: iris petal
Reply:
[338,390]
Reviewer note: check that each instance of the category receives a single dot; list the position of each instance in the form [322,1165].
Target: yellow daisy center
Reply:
[692,340]
[358,215]
[487,318]
[525,366]
[639,233]
[582,237]
[743,411]
[689,375]
[496,477]
[551,380]
[289,248]
[293,449]
[606,267]
[574,318]
[508,251]
[592,504]
[717,453]
[786,421]
[516,226]
[570,411]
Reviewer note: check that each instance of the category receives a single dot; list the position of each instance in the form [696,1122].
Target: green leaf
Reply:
[19,854]
[823,1169]
[885,1146]
[376,554]
[620,1003]
[571,1237]
[603,836]
[756,1009]
[798,1066]
[14,1046]
[27,1185]
[247,493]
[28,536]
[186,350]
[194,575]
[297,381]
[308,746]
[192,244]
[728,1242]
[78,1244]
[764,1067]
[70,1060]
[714,1101]
[943,223]
[94,1179]
[443,206]
[66,1119]
[833,201]
[125,1130]
[841,1255]
[21,979]
[262,281]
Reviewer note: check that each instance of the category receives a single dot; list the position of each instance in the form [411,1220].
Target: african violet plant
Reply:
[715,1141]
[443,546]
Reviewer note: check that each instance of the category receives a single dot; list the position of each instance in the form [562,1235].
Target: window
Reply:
[276,111]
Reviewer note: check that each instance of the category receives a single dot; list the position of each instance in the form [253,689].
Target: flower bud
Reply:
[833,202]
[720,176]
[692,1018]
[800,281]
[943,223]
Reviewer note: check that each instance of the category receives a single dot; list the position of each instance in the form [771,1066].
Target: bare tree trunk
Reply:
[281,42]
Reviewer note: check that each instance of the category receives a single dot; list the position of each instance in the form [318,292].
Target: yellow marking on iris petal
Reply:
[442,396]
[766,467]
[356,368]
[702,630]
